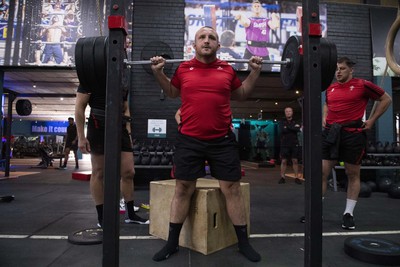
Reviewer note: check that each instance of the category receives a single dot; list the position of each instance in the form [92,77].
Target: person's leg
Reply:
[58,54]
[76,158]
[283,170]
[353,189]
[67,150]
[295,164]
[327,166]
[179,210]
[127,188]
[96,184]
[237,214]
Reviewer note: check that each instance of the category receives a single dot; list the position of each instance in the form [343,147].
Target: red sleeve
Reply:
[372,90]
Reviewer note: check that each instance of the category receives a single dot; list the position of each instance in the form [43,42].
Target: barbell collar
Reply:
[144,62]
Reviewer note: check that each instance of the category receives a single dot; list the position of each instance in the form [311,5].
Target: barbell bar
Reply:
[91,62]
[143,62]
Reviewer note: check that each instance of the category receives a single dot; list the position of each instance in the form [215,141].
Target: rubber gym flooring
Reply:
[49,205]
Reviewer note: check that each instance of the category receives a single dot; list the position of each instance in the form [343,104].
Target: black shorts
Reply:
[351,148]
[222,155]
[289,152]
[96,132]
[68,144]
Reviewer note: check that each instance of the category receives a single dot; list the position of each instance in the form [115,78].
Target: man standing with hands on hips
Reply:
[206,85]
[343,136]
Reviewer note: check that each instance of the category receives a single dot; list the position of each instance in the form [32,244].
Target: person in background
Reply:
[206,85]
[93,143]
[71,143]
[226,51]
[344,132]
[289,129]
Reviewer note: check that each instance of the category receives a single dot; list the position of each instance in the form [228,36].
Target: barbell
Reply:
[143,62]
[91,62]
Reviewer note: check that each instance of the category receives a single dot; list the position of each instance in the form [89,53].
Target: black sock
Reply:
[243,243]
[99,209]
[172,245]
[129,207]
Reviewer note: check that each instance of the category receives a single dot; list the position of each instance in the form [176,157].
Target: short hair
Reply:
[346,61]
[70,119]
[227,38]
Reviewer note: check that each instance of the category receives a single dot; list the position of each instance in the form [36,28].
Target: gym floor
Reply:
[49,205]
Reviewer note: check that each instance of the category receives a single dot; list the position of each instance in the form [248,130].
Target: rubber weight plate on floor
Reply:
[373,250]
[90,236]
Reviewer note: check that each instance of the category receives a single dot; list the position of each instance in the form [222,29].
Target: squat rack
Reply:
[312,132]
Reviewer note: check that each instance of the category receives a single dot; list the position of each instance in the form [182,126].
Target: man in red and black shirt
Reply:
[206,85]
[345,106]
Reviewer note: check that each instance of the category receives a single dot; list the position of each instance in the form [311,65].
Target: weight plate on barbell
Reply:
[89,59]
[328,62]
[79,63]
[292,73]
[100,60]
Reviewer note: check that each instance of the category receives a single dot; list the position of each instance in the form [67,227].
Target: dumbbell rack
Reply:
[338,167]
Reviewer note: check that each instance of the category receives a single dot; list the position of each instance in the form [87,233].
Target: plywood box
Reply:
[208,227]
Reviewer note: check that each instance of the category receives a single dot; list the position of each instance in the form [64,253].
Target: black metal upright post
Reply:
[312,133]
[11,98]
[112,154]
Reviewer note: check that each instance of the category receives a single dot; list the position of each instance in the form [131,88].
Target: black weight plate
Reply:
[90,236]
[156,48]
[23,107]
[292,73]
[79,63]
[100,61]
[373,250]
[89,64]
[328,62]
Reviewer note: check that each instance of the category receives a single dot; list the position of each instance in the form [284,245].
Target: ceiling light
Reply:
[61,98]
[34,85]
[276,103]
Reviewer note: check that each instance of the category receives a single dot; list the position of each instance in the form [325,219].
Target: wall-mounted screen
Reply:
[247,28]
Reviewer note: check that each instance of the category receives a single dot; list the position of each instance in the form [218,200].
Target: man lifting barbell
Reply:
[206,85]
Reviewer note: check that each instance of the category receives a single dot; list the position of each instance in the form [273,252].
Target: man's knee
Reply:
[230,188]
[184,189]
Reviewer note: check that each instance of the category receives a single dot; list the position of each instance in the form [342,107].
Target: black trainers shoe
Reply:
[297,181]
[138,220]
[348,222]
[282,181]
[303,219]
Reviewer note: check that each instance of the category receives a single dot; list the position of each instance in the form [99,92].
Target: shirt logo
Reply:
[351,88]
[191,68]
[333,89]
[219,68]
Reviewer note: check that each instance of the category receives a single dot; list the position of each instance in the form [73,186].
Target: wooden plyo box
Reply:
[208,227]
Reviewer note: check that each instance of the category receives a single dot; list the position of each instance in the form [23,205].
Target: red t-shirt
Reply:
[348,101]
[205,91]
